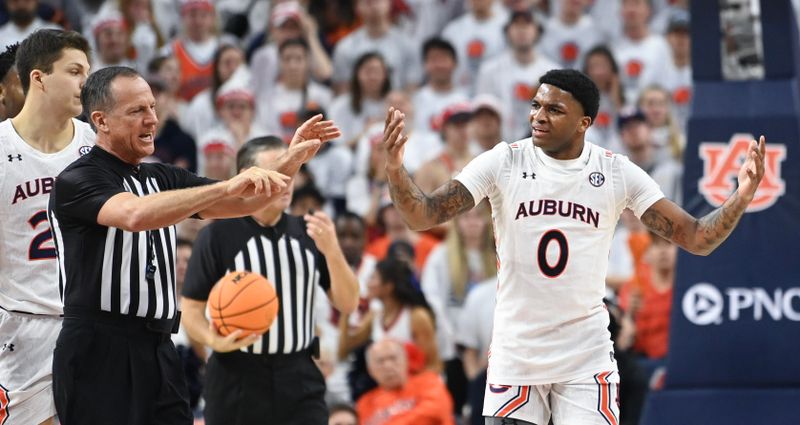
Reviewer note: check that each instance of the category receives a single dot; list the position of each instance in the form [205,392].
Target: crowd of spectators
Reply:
[463,72]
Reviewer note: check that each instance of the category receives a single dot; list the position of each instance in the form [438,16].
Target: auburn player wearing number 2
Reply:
[35,147]
[555,202]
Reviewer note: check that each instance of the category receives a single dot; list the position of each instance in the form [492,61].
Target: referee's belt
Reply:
[160,326]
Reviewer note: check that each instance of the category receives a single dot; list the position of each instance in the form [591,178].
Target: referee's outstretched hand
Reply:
[321,229]
[256,181]
[232,342]
[310,136]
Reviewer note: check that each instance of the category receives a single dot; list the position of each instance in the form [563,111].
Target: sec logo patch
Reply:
[597,179]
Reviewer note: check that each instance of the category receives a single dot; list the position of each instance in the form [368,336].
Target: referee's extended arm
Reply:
[344,284]
[133,213]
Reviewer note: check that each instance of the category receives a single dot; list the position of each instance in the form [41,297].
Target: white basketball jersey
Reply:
[553,221]
[29,278]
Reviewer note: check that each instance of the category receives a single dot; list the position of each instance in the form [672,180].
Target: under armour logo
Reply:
[525,175]
[8,347]
[12,157]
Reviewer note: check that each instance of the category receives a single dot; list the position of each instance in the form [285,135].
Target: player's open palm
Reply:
[752,170]
[394,141]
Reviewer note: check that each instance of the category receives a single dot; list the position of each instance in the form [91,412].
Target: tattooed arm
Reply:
[702,236]
[423,211]
[419,210]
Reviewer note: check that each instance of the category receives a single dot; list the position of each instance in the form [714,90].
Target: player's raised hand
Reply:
[256,181]
[232,342]
[394,140]
[752,170]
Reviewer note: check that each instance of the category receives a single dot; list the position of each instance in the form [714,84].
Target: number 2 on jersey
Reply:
[36,251]
[563,253]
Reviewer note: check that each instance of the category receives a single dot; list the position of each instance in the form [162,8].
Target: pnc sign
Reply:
[721,165]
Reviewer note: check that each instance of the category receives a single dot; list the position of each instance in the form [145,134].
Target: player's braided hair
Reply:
[579,85]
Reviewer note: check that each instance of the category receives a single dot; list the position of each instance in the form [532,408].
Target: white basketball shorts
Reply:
[593,400]
[26,367]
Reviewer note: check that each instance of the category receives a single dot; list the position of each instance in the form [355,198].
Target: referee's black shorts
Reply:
[255,389]
[116,371]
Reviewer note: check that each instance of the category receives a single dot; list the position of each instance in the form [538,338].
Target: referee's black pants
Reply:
[256,389]
[116,370]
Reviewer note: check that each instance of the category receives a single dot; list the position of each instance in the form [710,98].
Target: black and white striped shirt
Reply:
[105,268]
[283,253]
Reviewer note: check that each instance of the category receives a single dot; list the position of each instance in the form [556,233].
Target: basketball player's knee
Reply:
[506,421]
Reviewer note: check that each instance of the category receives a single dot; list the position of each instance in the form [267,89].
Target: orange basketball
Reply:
[243,300]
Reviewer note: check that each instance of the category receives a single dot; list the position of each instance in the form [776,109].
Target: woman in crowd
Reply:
[202,111]
[404,315]
[363,105]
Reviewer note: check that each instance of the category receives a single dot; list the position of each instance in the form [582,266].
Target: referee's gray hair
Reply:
[246,157]
[96,93]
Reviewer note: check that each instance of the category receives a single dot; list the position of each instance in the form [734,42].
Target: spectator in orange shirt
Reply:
[401,399]
[397,229]
[649,298]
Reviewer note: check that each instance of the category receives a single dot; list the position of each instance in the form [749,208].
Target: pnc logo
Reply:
[721,164]
[702,304]
[705,304]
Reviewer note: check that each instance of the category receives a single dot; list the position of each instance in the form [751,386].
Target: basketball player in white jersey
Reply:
[35,146]
[555,202]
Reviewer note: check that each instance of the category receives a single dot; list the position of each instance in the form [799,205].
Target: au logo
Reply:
[721,165]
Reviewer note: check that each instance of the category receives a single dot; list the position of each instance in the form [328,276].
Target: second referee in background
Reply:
[273,381]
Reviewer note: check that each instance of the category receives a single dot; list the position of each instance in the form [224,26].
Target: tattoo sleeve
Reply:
[423,211]
[699,236]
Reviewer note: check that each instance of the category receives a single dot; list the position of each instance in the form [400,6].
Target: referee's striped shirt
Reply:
[283,253]
[105,268]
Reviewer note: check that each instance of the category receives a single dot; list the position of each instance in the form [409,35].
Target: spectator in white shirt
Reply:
[235,103]
[293,93]
[486,125]
[363,105]
[601,67]
[422,19]
[376,35]
[111,41]
[656,104]
[288,20]
[642,55]
[477,36]
[330,169]
[22,22]
[637,139]
[143,34]
[201,113]
[456,152]
[678,76]
[512,76]
[570,34]
[430,100]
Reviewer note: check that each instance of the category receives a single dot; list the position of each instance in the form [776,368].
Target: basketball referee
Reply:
[273,381]
[113,225]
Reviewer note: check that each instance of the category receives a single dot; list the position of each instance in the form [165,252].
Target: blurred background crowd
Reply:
[464,73]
